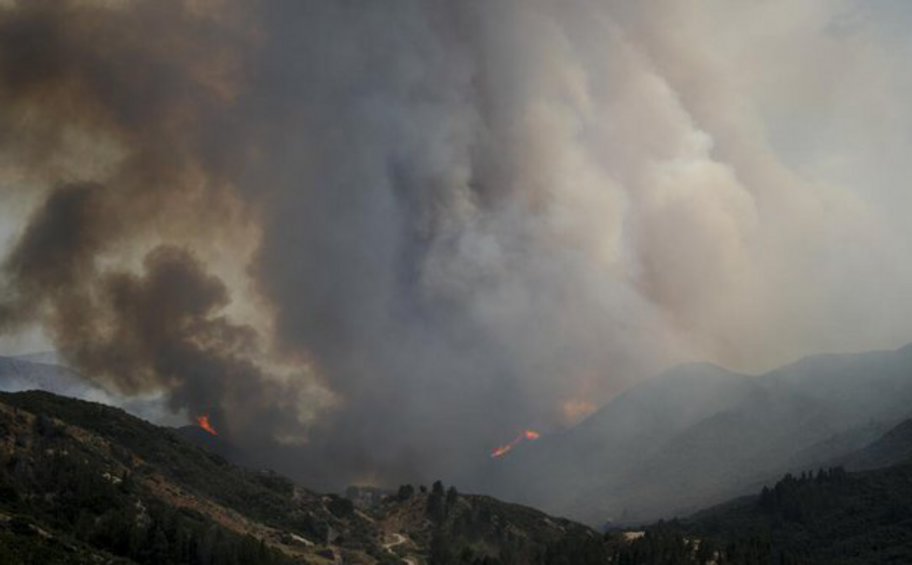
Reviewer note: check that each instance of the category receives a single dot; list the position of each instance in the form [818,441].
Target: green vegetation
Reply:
[479,530]
[263,496]
[60,490]
[405,492]
[85,483]
[827,517]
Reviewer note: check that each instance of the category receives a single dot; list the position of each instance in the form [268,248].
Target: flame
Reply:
[204,423]
[527,435]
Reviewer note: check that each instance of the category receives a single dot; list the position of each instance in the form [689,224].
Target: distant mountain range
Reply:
[45,371]
[698,435]
[41,371]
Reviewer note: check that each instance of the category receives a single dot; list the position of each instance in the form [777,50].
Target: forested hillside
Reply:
[86,483]
[826,517]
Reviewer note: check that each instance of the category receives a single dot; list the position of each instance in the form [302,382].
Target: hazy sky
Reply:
[397,233]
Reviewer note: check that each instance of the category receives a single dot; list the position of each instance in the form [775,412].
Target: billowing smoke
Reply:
[392,234]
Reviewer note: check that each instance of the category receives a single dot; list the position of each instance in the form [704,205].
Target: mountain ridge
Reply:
[85,482]
[685,439]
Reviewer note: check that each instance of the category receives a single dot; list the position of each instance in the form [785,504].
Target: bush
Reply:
[405,492]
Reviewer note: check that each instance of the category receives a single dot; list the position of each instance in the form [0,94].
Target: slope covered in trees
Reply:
[826,517]
[86,483]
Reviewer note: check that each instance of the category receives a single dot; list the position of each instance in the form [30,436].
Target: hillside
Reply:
[698,435]
[584,471]
[895,447]
[43,371]
[82,482]
[823,517]
[828,518]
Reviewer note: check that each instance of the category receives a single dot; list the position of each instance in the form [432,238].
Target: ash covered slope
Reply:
[83,482]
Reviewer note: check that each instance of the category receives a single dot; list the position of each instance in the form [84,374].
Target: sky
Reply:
[395,235]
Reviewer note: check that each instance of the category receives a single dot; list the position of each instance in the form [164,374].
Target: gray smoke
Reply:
[395,234]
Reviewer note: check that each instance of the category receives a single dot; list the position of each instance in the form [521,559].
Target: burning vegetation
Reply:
[526,435]
[203,422]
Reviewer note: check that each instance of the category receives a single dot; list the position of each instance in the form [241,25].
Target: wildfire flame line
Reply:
[527,435]
[204,423]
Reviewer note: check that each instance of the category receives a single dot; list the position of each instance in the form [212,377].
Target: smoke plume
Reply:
[387,235]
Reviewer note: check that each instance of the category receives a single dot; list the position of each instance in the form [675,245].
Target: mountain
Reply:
[827,516]
[830,517]
[46,357]
[35,372]
[894,448]
[82,482]
[43,371]
[698,435]
[561,471]
[216,444]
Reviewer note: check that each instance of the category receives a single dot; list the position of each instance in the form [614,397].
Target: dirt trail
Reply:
[398,539]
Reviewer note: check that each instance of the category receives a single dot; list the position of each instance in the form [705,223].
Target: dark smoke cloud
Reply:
[336,132]
[163,331]
[396,234]
[150,79]
[160,330]
[57,251]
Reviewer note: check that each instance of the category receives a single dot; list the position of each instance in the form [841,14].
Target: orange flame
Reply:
[204,423]
[527,435]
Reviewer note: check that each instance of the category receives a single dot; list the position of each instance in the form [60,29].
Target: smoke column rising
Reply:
[387,235]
